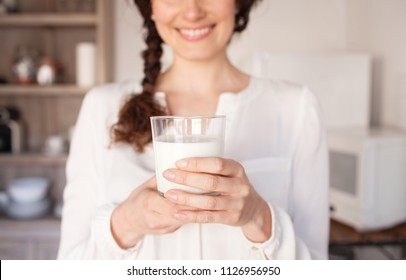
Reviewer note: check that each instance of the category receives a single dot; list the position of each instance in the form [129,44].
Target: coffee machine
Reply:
[10,130]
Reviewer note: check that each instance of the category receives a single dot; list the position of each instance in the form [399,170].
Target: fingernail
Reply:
[169,175]
[180,216]
[181,163]
[171,196]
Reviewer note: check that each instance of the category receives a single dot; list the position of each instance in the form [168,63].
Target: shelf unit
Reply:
[50,110]
[60,90]
[46,110]
[33,158]
[29,239]
[48,20]
[98,23]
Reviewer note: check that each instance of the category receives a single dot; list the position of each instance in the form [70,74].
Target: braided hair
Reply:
[133,126]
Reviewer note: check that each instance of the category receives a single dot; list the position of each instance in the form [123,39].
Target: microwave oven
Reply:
[367,177]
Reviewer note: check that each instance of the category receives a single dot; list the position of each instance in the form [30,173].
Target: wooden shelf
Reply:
[36,239]
[48,20]
[36,90]
[343,234]
[33,159]
[48,227]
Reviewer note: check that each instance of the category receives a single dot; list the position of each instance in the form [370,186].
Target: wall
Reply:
[128,41]
[380,28]
[293,26]
[374,26]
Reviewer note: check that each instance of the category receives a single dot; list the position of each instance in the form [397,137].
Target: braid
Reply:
[134,125]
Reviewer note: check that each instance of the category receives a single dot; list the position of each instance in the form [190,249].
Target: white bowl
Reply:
[28,189]
[28,210]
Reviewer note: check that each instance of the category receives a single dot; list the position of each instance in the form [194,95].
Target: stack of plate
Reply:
[27,198]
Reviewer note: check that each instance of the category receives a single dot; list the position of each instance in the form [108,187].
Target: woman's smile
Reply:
[195,30]
[195,34]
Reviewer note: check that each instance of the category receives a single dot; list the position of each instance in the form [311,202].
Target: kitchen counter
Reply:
[344,241]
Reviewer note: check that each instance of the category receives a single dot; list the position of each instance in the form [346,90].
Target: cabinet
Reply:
[54,28]
[37,239]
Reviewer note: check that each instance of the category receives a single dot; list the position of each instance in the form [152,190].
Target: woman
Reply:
[273,179]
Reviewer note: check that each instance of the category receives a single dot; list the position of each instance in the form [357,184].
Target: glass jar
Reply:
[25,65]
[49,71]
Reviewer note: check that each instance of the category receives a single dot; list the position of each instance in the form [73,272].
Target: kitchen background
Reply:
[350,52]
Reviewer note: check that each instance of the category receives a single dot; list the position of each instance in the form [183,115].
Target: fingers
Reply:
[204,181]
[205,202]
[213,165]
[207,217]
[211,208]
[159,224]
[223,176]
[162,206]
[236,203]
[155,202]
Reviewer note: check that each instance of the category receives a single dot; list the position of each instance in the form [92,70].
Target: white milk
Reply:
[168,152]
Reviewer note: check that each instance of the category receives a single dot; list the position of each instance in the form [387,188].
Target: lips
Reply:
[195,34]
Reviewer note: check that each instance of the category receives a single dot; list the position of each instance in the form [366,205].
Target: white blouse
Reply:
[273,129]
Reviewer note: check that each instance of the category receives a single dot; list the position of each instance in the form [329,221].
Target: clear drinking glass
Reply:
[175,138]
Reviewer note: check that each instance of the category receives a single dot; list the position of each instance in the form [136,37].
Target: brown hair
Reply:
[133,126]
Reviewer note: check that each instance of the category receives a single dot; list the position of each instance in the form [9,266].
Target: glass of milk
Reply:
[176,138]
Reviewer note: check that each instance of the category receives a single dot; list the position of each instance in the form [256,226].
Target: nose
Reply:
[193,10]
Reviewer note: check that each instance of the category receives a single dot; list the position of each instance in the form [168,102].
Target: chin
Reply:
[199,55]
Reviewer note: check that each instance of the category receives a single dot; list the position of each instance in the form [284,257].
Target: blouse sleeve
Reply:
[85,229]
[310,200]
[304,234]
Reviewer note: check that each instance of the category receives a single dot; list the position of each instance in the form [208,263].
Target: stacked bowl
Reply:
[27,198]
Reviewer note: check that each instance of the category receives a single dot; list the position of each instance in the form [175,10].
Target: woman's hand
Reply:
[144,212]
[238,204]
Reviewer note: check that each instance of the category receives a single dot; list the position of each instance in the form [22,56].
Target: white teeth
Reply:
[195,32]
